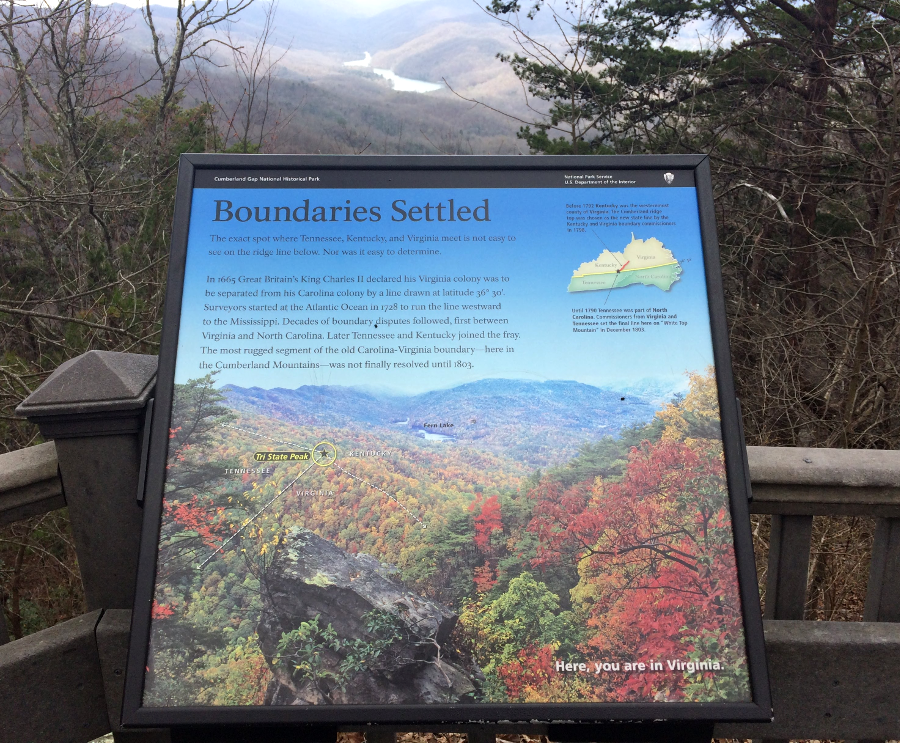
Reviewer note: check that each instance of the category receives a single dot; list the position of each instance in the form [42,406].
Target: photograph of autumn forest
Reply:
[565,544]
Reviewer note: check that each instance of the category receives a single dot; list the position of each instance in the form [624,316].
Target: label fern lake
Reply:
[442,437]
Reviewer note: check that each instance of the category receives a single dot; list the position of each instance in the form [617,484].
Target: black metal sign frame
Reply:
[421,170]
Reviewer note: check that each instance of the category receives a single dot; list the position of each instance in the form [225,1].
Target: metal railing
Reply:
[830,680]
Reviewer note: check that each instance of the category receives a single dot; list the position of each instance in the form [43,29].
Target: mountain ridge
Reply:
[536,422]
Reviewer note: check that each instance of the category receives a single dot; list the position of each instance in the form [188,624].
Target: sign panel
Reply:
[445,439]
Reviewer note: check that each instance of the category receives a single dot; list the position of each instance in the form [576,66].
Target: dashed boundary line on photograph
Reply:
[366,482]
[303,447]
[253,518]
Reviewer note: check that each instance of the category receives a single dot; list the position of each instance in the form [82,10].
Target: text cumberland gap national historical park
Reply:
[440,212]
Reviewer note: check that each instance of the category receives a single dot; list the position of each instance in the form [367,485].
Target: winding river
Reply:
[401,84]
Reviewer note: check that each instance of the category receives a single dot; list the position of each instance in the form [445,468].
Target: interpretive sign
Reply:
[445,439]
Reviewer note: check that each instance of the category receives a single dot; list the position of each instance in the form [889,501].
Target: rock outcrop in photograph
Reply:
[337,628]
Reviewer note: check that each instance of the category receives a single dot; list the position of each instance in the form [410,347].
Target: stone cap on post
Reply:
[93,406]
[98,393]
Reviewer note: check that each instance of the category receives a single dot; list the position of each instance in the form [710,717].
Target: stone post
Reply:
[92,406]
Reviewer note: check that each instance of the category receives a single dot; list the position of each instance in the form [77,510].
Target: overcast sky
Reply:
[693,36]
[363,7]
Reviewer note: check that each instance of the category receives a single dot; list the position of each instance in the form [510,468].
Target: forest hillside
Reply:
[282,586]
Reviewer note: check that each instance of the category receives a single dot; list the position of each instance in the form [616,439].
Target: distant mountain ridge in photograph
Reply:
[524,419]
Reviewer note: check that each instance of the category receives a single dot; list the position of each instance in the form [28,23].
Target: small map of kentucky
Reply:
[645,262]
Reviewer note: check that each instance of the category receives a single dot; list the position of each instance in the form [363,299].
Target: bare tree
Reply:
[191,38]
[246,121]
[89,152]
